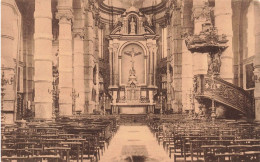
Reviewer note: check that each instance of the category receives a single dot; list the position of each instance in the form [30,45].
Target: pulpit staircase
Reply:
[221,91]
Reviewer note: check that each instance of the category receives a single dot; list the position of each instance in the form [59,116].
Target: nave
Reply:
[134,144]
[157,138]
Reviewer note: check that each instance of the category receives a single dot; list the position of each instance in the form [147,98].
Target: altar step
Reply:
[133,119]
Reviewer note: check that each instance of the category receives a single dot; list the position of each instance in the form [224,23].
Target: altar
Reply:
[133,60]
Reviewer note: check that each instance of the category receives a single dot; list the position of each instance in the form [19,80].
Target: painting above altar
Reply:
[132,60]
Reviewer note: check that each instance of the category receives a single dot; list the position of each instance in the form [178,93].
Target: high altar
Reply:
[132,59]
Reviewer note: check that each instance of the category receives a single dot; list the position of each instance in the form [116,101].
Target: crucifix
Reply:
[132,54]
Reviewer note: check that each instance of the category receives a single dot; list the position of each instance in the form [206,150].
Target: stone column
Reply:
[223,22]
[115,65]
[89,52]
[78,68]
[110,65]
[200,59]
[152,66]
[169,59]
[149,67]
[187,75]
[177,60]
[155,49]
[65,16]
[43,59]
[257,60]
[78,58]
[97,86]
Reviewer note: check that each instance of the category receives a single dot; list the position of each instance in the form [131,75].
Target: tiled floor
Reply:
[134,144]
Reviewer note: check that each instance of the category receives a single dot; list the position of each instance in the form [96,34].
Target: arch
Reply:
[132,42]
[141,74]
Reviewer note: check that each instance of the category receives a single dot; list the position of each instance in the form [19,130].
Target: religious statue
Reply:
[132,26]
[215,65]
[149,20]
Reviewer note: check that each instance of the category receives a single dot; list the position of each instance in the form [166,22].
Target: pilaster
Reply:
[115,64]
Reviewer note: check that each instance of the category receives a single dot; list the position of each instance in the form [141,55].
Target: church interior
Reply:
[130,80]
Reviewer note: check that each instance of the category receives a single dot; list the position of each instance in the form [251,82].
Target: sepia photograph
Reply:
[130,80]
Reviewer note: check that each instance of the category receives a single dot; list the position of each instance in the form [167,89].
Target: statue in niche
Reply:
[132,26]
[214,67]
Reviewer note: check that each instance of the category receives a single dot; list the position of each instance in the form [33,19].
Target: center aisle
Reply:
[134,144]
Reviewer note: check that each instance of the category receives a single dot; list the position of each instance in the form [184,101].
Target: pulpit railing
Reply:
[224,92]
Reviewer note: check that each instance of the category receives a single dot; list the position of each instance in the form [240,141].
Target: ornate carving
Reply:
[80,32]
[208,41]
[64,14]
[215,64]
[117,20]
[225,93]
[202,12]
[149,20]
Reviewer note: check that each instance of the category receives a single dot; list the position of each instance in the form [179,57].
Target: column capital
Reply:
[150,46]
[115,47]
[110,49]
[79,32]
[155,48]
[64,14]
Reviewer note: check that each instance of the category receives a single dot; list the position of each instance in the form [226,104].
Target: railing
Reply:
[141,100]
[223,92]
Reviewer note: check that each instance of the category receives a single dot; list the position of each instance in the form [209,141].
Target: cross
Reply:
[132,54]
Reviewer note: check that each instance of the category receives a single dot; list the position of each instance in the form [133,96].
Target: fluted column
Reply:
[223,22]
[115,64]
[43,59]
[65,16]
[257,60]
